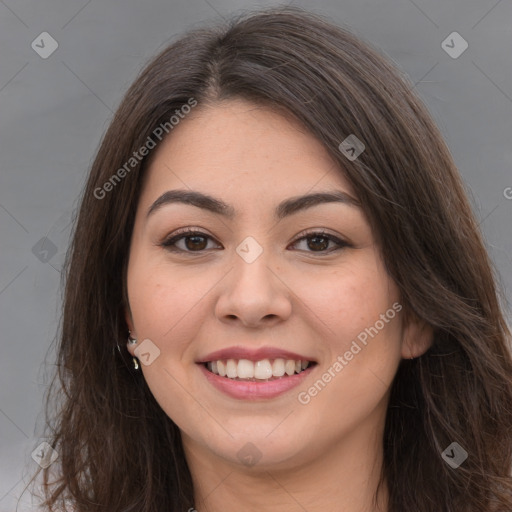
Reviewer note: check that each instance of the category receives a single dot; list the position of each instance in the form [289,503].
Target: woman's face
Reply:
[268,281]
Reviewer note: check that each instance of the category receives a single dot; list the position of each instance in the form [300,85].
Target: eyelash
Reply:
[169,243]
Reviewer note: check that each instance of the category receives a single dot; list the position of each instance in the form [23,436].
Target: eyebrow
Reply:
[284,209]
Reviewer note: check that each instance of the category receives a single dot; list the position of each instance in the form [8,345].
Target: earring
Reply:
[133,341]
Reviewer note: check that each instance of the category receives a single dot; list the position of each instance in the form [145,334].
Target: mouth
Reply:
[259,374]
[264,370]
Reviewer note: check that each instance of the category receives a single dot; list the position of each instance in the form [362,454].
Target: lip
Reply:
[248,390]
[253,354]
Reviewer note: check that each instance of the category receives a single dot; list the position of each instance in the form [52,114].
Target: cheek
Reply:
[355,380]
[362,332]
[167,309]
[348,300]
[160,296]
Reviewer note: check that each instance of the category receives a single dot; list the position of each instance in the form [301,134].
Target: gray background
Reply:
[55,110]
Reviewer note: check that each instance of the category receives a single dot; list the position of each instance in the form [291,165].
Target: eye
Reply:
[193,241]
[319,241]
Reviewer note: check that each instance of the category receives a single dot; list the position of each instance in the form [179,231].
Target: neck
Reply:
[342,477]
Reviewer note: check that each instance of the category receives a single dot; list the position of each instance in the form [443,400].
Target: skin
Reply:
[294,296]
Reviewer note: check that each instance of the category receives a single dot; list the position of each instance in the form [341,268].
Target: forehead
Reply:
[242,148]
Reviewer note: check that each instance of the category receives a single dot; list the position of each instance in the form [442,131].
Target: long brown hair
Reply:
[118,450]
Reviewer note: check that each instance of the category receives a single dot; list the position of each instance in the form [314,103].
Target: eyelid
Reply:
[315,231]
[181,233]
[310,232]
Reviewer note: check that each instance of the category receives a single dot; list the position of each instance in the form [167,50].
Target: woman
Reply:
[277,296]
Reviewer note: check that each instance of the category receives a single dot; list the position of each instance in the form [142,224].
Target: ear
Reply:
[417,336]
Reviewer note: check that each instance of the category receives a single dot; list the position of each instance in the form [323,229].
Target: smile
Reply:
[254,371]
[255,374]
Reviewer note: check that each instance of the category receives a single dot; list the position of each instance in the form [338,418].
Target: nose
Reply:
[254,295]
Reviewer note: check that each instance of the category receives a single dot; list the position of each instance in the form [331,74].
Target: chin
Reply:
[260,446]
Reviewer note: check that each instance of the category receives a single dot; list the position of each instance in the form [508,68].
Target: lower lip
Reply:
[248,390]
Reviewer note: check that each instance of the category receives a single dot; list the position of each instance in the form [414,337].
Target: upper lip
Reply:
[252,354]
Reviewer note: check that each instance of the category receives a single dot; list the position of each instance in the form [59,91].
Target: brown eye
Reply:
[319,242]
[190,241]
[195,242]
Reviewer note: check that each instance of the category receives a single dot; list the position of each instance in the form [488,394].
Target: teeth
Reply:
[289,367]
[231,369]
[221,368]
[245,369]
[260,370]
[263,369]
[278,368]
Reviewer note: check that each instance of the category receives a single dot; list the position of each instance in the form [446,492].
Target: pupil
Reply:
[314,244]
